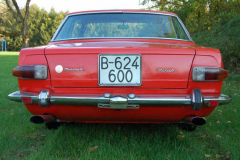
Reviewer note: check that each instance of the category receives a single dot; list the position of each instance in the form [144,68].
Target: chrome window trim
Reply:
[184,28]
[121,38]
[58,29]
[65,19]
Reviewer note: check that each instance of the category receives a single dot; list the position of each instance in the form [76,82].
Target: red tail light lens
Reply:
[209,74]
[30,71]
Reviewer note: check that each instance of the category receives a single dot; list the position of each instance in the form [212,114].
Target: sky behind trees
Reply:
[82,5]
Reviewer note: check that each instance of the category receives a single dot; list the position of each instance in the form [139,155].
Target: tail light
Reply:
[30,71]
[209,74]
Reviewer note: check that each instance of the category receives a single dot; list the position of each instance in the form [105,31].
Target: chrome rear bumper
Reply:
[131,101]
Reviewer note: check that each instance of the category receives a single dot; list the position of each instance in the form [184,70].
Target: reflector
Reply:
[213,104]
[26,100]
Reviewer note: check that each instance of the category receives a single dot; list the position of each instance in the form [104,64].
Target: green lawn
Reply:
[20,139]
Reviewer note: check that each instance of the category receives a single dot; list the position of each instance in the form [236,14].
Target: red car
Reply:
[120,66]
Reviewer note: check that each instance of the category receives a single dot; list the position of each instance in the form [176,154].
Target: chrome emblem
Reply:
[166,70]
[73,69]
[58,68]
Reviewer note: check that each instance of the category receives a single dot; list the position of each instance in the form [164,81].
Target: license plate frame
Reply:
[112,62]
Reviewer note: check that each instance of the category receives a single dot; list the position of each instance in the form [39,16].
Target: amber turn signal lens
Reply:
[222,74]
[17,72]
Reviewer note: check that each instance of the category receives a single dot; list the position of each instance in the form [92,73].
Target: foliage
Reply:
[19,16]
[41,27]
[224,36]
[212,23]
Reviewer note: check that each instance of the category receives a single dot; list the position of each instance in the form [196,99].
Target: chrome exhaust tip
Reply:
[39,119]
[197,121]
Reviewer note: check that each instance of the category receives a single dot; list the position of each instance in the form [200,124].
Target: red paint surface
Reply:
[150,114]
[156,54]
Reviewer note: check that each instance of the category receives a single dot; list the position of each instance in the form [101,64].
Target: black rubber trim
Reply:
[198,100]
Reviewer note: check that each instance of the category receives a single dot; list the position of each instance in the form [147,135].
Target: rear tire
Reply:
[187,127]
[52,125]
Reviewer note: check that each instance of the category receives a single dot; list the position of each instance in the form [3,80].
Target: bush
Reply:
[224,36]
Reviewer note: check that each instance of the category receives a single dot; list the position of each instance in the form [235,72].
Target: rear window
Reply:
[121,25]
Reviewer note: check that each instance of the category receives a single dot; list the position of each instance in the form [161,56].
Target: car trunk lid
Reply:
[78,65]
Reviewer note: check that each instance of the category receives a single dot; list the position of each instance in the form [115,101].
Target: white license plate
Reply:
[120,70]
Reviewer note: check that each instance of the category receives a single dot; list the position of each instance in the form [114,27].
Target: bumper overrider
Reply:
[45,98]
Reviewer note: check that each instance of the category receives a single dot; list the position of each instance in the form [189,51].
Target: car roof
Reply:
[124,10]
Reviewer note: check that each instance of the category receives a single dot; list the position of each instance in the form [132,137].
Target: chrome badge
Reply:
[58,68]
[73,69]
[166,70]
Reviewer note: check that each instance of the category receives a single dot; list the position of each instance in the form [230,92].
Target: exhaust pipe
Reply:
[197,121]
[39,119]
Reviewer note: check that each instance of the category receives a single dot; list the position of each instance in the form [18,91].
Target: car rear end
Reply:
[104,78]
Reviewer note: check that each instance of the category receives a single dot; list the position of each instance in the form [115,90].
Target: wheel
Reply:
[53,125]
[187,127]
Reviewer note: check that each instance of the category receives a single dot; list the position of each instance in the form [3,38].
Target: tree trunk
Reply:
[20,18]
[25,35]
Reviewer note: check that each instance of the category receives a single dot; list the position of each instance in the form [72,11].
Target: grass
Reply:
[20,139]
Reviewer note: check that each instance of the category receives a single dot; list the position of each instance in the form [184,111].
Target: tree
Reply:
[21,18]
[212,23]
[198,15]
[166,5]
